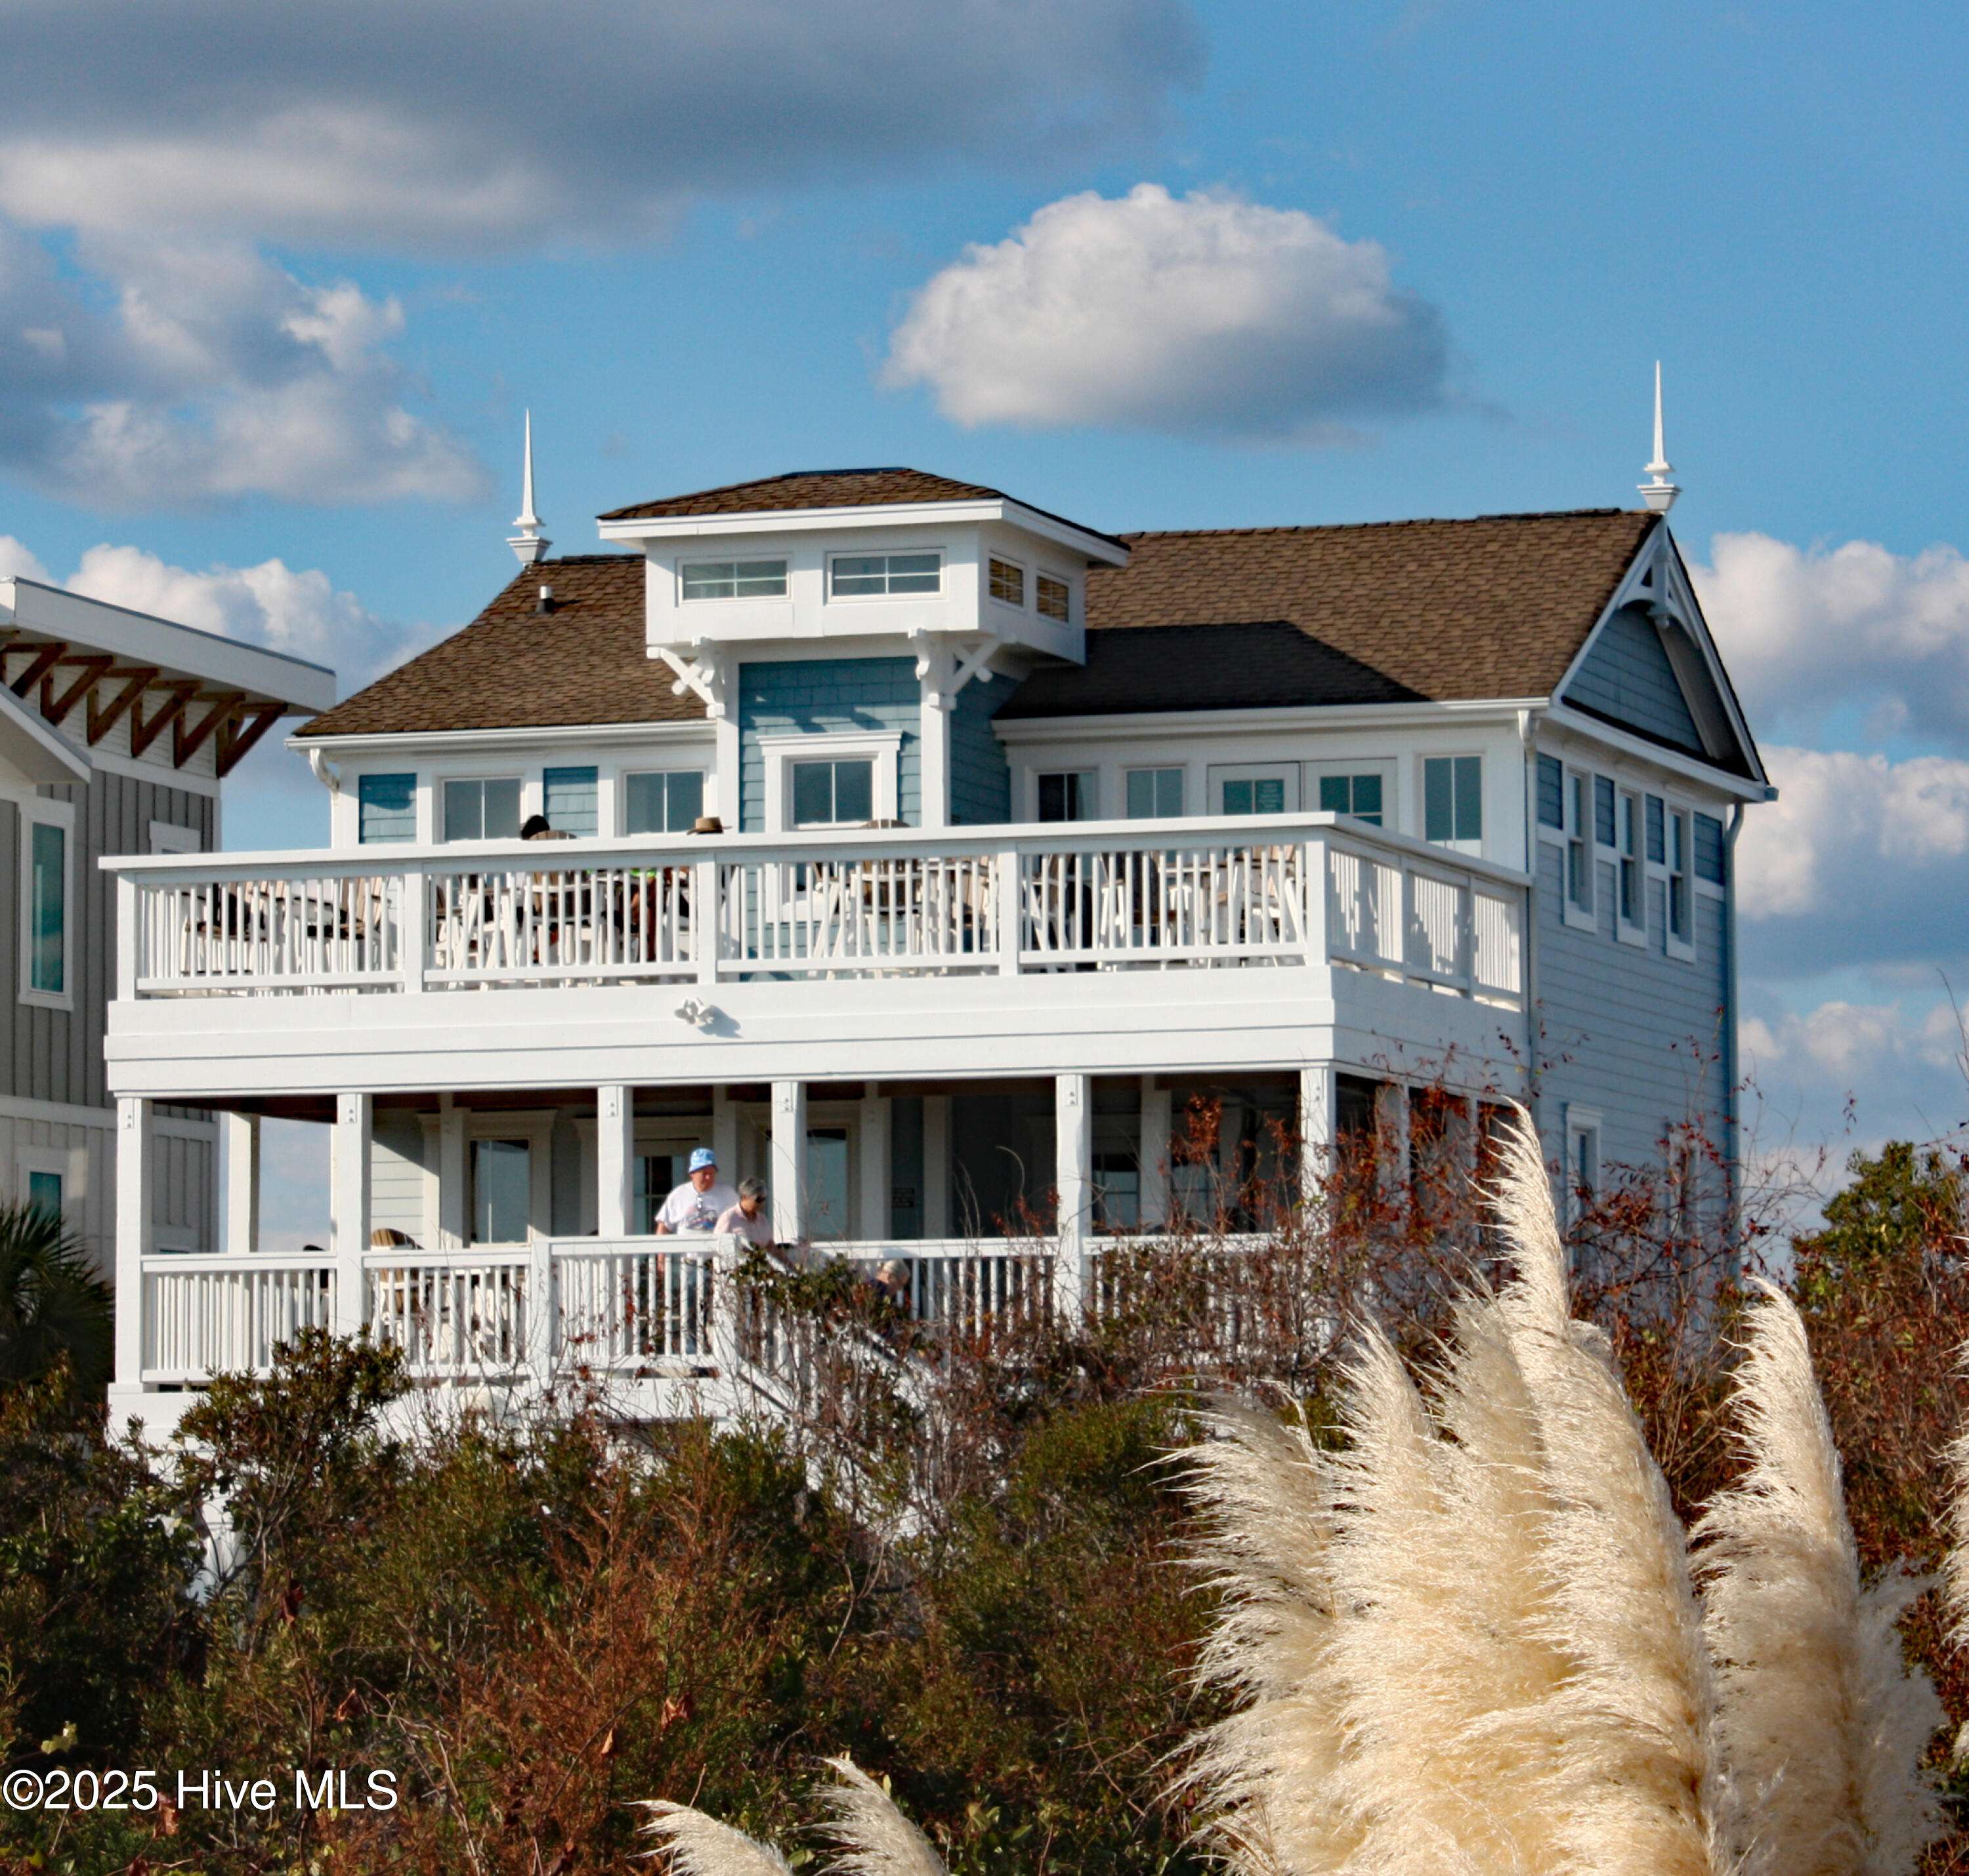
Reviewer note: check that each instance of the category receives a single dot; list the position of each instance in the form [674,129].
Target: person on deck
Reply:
[702,1199]
[749,1218]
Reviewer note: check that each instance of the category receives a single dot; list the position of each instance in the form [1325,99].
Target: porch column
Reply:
[872,1119]
[936,1165]
[1391,1137]
[453,1175]
[1318,1141]
[1073,1178]
[1154,1155]
[614,1158]
[933,726]
[241,1133]
[725,1134]
[135,1170]
[349,1207]
[788,1173]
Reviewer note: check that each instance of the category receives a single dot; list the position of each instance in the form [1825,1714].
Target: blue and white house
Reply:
[925,851]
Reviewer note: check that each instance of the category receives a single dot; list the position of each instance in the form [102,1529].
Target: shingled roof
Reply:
[514,667]
[1385,612]
[829,488]
[1382,612]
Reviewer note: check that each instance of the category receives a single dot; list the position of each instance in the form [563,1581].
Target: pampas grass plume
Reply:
[874,1838]
[699,1846]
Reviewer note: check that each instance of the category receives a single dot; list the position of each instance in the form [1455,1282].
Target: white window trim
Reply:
[624,777]
[1581,1121]
[884,747]
[1049,573]
[440,783]
[1091,770]
[48,813]
[1291,773]
[1681,950]
[534,1125]
[1474,848]
[167,837]
[738,599]
[68,1164]
[830,597]
[1387,767]
[1028,585]
[1130,770]
[1576,829]
[1628,931]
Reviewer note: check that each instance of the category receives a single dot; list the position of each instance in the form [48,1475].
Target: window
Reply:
[864,576]
[1603,810]
[386,807]
[1154,794]
[1582,1160]
[502,1184]
[1632,906]
[1008,582]
[831,793]
[1657,831]
[664,802]
[1361,796]
[1068,796]
[482,810]
[827,1157]
[44,1191]
[1578,851]
[1266,789]
[44,908]
[734,579]
[1452,802]
[657,1176]
[1681,928]
[1055,598]
[568,800]
[1118,1192]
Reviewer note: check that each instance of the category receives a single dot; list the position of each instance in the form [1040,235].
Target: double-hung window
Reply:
[1680,913]
[869,576]
[48,894]
[1578,848]
[1633,909]
[667,801]
[1452,802]
[833,791]
[1067,795]
[386,807]
[482,810]
[733,579]
[1154,794]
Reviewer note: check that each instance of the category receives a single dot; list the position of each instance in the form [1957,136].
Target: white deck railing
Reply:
[1272,890]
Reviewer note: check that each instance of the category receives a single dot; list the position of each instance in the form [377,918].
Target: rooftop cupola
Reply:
[530,543]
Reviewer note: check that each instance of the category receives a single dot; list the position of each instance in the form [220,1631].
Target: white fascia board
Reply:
[1577,723]
[1261,720]
[142,639]
[36,747]
[885,514]
[446,742]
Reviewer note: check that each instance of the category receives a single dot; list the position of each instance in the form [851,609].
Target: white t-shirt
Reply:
[687,1209]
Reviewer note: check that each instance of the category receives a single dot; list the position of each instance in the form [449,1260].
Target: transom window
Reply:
[482,810]
[1360,795]
[1067,796]
[386,807]
[1008,582]
[1055,598]
[865,576]
[1154,794]
[663,801]
[832,792]
[734,579]
[1452,802]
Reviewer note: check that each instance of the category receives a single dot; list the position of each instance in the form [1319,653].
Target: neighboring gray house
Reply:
[116,732]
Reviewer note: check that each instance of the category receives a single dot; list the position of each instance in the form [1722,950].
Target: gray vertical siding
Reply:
[1627,676]
[980,778]
[823,695]
[1634,1033]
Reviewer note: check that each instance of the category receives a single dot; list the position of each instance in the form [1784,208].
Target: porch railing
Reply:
[1266,891]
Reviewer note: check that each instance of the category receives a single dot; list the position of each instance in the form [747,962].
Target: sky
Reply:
[277,284]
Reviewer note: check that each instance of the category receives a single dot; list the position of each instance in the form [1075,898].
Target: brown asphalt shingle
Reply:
[1385,612]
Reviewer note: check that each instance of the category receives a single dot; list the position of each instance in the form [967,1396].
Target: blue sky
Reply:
[279,289]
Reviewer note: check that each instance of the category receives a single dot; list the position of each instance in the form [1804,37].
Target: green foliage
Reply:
[53,1310]
[1902,1204]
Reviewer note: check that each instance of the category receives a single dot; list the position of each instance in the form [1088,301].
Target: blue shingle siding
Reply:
[826,696]
[981,779]
[1627,676]
[1633,1032]
[1709,849]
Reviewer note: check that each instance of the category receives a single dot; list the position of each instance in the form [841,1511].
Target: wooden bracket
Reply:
[185,744]
[54,707]
[102,721]
[144,732]
[40,661]
[236,739]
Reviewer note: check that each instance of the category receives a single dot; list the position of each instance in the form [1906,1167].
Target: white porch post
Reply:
[242,1135]
[135,1174]
[872,1118]
[788,1173]
[934,727]
[1391,1126]
[1073,1178]
[725,1134]
[1154,1156]
[1318,1111]
[614,1158]
[349,1207]
[453,1177]
[936,1165]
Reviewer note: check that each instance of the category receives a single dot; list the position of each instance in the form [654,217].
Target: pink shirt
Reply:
[734,1223]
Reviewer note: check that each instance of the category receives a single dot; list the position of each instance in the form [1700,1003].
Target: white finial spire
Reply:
[1659,494]
[530,543]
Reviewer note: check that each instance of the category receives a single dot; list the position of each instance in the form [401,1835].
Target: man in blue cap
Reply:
[698,1204]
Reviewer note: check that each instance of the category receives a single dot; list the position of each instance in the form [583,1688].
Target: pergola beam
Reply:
[101,722]
[185,744]
[236,740]
[40,661]
[93,671]
[145,731]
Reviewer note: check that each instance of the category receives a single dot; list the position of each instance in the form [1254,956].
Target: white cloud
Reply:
[1860,860]
[177,372]
[489,123]
[1809,630]
[17,558]
[1205,314]
[1844,1040]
